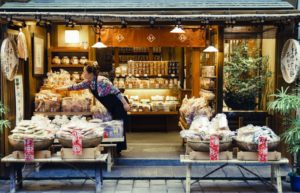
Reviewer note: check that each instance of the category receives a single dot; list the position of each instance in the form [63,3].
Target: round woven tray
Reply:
[253,146]
[18,144]
[203,146]
[86,143]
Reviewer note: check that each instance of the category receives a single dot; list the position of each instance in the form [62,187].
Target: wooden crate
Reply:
[87,153]
[253,156]
[37,155]
[197,155]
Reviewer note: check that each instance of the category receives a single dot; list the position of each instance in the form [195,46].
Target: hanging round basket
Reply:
[9,58]
[290,60]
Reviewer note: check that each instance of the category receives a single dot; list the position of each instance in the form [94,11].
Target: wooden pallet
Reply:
[87,153]
[197,155]
[253,156]
[37,155]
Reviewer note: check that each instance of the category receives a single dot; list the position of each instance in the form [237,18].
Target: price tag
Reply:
[76,143]
[117,75]
[137,75]
[129,75]
[173,75]
[28,149]
[159,75]
[129,85]
[145,75]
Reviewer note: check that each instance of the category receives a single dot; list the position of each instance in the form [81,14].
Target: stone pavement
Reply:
[143,186]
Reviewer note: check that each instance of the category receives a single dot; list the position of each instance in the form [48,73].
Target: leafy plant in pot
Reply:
[245,77]
[3,123]
[286,103]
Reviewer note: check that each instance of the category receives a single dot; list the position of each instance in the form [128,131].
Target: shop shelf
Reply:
[66,66]
[154,113]
[62,49]
[53,114]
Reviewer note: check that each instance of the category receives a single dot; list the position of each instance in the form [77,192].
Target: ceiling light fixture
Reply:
[210,48]
[177,29]
[99,43]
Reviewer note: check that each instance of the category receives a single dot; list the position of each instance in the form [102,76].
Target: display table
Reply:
[110,145]
[17,164]
[275,169]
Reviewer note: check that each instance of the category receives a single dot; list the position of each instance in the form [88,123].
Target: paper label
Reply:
[214,147]
[76,143]
[262,149]
[28,149]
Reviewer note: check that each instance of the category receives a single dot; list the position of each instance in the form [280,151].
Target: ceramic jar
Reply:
[56,60]
[83,60]
[65,60]
[74,60]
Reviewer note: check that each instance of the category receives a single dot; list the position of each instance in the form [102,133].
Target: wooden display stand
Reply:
[87,153]
[37,155]
[252,156]
[197,155]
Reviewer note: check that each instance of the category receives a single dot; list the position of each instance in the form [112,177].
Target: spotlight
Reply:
[152,22]
[123,23]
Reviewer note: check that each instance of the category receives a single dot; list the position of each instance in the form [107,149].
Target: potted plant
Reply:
[286,103]
[3,123]
[245,77]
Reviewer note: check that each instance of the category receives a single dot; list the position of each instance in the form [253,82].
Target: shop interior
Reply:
[156,78]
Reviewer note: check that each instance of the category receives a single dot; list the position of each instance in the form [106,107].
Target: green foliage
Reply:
[3,123]
[245,74]
[286,103]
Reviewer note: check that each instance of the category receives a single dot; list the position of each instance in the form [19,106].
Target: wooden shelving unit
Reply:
[69,52]
[153,113]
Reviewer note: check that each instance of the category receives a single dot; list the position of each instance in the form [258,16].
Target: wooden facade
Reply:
[192,52]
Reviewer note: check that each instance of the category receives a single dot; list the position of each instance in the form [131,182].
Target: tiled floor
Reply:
[143,186]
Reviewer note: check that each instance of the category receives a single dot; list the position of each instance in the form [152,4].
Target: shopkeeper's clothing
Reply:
[110,97]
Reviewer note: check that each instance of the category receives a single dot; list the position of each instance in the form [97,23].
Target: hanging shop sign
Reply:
[9,59]
[290,58]
[151,37]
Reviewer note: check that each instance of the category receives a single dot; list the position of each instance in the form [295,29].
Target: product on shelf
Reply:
[47,101]
[208,95]
[76,104]
[194,107]
[248,137]
[74,60]
[39,129]
[65,60]
[208,71]
[207,83]
[100,112]
[152,68]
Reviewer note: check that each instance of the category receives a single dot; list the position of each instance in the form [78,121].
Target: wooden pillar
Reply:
[195,72]
[219,68]
[150,51]
[116,57]
[188,68]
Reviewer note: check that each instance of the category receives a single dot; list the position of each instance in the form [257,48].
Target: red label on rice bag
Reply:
[28,149]
[262,149]
[214,147]
[76,143]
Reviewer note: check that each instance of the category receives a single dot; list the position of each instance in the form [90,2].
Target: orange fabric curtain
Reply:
[152,37]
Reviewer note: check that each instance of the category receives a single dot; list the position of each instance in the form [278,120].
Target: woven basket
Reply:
[86,142]
[246,146]
[18,144]
[203,146]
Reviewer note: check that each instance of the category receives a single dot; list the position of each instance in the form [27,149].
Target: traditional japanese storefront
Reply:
[141,32]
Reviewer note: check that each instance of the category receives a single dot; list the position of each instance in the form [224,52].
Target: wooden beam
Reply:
[195,72]
[188,53]
[219,68]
